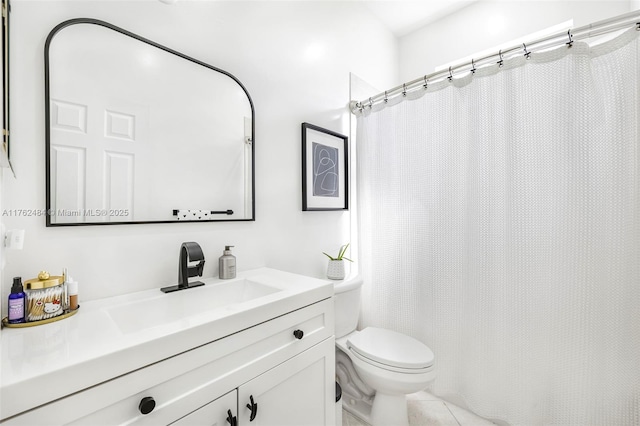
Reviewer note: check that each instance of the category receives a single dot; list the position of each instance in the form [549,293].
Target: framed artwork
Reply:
[325,169]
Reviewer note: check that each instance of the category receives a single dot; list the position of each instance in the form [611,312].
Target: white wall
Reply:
[293,57]
[486,24]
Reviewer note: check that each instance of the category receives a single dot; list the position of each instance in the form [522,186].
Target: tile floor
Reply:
[428,410]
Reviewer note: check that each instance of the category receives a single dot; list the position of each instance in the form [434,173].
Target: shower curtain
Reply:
[499,223]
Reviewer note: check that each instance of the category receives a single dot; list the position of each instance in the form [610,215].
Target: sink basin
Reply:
[180,305]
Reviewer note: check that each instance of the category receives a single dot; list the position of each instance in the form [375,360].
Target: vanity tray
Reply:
[6,323]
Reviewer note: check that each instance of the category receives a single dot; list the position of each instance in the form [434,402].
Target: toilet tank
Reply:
[347,305]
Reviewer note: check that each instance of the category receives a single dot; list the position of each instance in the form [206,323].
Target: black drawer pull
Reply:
[147,404]
[298,334]
[233,421]
[253,407]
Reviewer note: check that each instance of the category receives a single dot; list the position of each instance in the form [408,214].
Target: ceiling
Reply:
[405,16]
[400,16]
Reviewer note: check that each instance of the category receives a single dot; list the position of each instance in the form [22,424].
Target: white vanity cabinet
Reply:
[285,365]
[295,393]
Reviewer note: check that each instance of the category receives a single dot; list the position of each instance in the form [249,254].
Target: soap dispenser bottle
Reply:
[17,302]
[227,264]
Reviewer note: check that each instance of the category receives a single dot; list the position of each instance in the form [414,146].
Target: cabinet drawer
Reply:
[220,412]
[183,383]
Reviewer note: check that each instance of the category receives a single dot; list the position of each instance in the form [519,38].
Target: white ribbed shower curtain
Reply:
[499,223]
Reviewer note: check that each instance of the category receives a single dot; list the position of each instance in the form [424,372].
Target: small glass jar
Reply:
[45,297]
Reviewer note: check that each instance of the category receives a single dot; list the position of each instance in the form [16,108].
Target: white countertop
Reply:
[46,362]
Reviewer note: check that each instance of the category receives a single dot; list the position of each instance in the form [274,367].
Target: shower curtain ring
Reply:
[570,43]
[386,99]
[473,66]
[500,62]
[404,89]
[426,83]
[638,26]
[527,54]
[370,103]
[450,75]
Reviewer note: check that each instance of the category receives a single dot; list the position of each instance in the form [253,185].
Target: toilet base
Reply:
[358,407]
[389,410]
[384,410]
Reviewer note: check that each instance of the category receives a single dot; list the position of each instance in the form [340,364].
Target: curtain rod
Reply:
[566,37]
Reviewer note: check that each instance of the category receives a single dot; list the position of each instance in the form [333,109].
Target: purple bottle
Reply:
[17,302]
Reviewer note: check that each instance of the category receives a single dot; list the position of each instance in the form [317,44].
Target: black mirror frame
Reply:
[75,21]
[6,154]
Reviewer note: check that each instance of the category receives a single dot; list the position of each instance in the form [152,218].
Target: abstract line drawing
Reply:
[325,171]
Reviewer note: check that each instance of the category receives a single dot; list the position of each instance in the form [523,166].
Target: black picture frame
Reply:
[325,169]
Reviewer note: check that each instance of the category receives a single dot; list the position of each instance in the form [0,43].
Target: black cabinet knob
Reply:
[147,404]
[298,334]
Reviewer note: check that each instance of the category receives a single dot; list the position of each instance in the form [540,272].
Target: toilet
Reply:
[376,367]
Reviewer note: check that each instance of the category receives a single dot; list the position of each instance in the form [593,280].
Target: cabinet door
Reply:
[298,392]
[221,412]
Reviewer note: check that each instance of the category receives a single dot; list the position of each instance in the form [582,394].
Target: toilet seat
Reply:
[390,350]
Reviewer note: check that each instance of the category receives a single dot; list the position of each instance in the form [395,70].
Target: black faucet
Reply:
[189,252]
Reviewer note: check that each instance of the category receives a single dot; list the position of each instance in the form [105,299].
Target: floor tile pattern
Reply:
[428,410]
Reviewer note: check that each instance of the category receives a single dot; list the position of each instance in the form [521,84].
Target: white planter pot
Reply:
[335,270]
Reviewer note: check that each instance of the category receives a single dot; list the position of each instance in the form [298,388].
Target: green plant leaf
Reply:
[341,252]
[328,256]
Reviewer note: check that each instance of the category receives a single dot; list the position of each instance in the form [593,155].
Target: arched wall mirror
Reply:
[139,133]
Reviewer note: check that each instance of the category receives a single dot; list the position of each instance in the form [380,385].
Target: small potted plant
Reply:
[335,270]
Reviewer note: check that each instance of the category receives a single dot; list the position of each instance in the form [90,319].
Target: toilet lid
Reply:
[391,348]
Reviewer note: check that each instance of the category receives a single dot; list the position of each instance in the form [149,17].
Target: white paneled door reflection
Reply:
[99,164]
